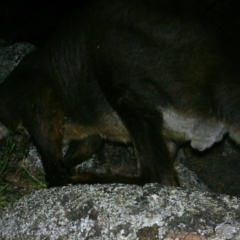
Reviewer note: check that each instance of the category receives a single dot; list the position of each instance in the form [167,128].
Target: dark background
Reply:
[34,20]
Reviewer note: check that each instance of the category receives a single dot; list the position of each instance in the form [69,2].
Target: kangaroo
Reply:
[151,72]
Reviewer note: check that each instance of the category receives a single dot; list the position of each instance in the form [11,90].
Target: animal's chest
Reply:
[202,133]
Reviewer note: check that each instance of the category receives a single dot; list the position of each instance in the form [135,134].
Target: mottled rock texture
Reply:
[122,212]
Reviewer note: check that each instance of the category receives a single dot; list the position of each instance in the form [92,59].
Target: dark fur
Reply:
[107,73]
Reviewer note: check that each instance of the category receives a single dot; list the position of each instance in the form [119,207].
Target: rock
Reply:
[33,161]
[10,56]
[122,212]
[3,131]
[218,167]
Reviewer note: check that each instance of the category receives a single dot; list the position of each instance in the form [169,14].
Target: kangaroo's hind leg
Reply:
[46,131]
[144,123]
[80,150]
[155,163]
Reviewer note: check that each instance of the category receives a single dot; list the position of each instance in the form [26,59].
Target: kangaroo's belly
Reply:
[201,132]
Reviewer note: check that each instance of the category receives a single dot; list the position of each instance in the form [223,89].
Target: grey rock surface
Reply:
[122,212]
[10,56]
[3,131]
[33,160]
